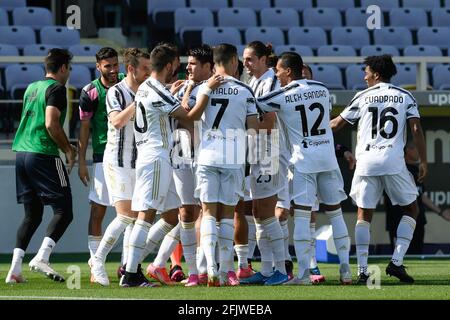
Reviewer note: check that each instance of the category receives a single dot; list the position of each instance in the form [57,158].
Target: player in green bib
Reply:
[41,177]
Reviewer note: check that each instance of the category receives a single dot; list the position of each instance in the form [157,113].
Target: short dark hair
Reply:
[56,58]
[160,56]
[260,48]
[240,68]
[294,61]
[106,53]
[383,65]
[272,60]
[223,53]
[172,46]
[203,53]
[309,69]
[131,56]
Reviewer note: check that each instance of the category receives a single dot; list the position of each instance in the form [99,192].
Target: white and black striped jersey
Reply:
[382,111]
[120,148]
[154,104]
[223,125]
[303,107]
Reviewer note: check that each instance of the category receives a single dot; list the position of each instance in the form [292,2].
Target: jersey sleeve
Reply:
[114,100]
[352,112]
[251,106]
[88,102]
[56,96]
[412,110]
[271,101]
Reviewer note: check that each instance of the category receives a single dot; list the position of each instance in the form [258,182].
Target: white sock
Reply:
[251,236]
[362,240]
[242,255]
[340,235]
[112,234]
[16,264]
[201,261]
[208,234]
[312,256]
[264,248]
[285,229]
[93,243]
[168,244]
[276,241]
[302,240]
[46,249]
[126,239]
[189,242]
[405,231]
[155,235]
[136,244]
[226,253]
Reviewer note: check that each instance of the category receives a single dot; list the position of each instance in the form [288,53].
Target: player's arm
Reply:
[350,114]
[86,109]
[419,141]
[120,118]
[268,121]
[337,123]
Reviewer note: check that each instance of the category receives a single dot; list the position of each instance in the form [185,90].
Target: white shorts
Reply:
[401,189]
[155,188]
[264,186]
[185,185]
[327,187]
[247,195]
[120,182]
[219,185]
[98,192]
[285,196]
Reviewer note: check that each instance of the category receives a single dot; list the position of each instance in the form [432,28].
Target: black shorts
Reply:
[42,176]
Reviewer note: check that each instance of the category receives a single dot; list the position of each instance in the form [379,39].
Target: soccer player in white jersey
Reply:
[199,68]
[267,181]
[220,163]
[120,156]
[383,111]
[154,189]
[304,106]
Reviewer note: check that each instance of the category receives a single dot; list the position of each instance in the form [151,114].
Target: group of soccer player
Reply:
[226,163]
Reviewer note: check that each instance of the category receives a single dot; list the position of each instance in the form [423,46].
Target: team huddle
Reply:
[224,164]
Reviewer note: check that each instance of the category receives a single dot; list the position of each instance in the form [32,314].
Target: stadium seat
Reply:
[8,50]
[19,76]
[440,17]
[85,49]
[447,3]
[271,35]
[357,17]
[307,36]
[211,5]
[240,50]
[326,18]
[337,51]
[340,5]
[398,37]
[435,36]
[385,5]
[441,77]
[254,4]
[193,17]
[279,17]
[216,35]
[406,75]
[164,5]
[19,36]
[352,36]
[79,76]
[61,36]
[34,17]
[428,4]
[304,51]
[413,18]
[37,49]
[12,4]
[328,74]
[422,50]
[4,20]
[236,17]
[355,77]
[377,50]
[294,4]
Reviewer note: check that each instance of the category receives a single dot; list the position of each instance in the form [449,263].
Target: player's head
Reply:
[164,60]
[289,67]
[177,66]
[108,65]
[226,56]
[239,70]
[200,63]
[137,64]
[256,56]
[307,72]
[379,69]
[57,63]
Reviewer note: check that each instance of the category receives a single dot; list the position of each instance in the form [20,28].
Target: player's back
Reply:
[382,111]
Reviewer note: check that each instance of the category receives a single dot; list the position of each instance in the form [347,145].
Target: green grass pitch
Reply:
[432,282]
